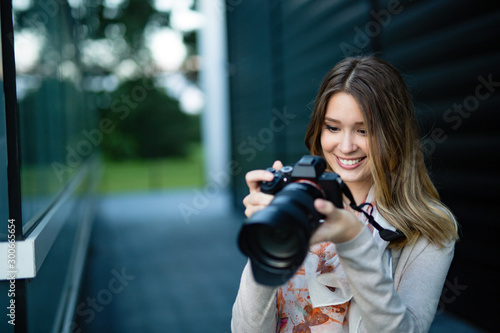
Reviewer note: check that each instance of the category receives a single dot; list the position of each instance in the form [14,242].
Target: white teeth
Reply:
[350,162]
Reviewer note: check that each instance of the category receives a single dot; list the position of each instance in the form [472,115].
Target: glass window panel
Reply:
[4,202]
[53,110]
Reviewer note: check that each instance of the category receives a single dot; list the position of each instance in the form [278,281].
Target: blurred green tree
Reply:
[154,127]
[114,50]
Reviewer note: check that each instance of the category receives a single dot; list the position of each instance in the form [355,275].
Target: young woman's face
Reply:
[344,140]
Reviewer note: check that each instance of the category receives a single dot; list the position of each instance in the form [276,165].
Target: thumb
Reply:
[324,207]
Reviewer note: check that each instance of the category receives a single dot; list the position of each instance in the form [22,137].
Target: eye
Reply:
[332,129]
[362,131]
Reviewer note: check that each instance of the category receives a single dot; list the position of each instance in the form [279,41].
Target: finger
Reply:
[255,177]
[326,229]
[252,210]
[339,226]
[277,165]
[257,199]
[324,207]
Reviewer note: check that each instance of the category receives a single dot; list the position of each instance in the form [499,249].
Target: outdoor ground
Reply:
[152,270]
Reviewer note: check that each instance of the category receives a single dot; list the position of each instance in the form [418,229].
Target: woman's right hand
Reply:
[256,200]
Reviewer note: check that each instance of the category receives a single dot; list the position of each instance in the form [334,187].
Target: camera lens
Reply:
[273,247]
[276,239]
[281,243]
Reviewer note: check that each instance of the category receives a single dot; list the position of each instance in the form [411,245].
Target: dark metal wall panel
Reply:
[249,66]
[451,51]
[448,52]
[278,54]
[312,35]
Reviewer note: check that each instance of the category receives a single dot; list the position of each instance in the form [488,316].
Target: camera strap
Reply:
[385,234]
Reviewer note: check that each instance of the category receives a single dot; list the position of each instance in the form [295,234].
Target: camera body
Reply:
[307,169]
[276,238]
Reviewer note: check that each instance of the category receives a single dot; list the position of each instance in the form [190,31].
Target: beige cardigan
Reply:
[406,303]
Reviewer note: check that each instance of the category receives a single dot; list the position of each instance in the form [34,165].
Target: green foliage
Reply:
[133,14]
[149,124]
[158,174]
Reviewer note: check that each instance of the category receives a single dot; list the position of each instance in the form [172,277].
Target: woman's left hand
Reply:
[340,224]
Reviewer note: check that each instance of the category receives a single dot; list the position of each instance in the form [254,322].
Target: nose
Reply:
[347,144]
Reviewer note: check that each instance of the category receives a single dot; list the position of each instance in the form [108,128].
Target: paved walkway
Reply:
[151,269]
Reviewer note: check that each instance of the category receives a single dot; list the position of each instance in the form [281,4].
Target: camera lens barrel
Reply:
[276,239]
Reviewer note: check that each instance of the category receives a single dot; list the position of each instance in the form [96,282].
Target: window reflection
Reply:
[4,202]
[53,109]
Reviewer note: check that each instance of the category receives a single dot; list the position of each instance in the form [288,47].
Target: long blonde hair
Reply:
[404,193]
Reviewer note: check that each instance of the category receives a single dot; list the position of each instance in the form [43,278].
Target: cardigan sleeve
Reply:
[255,307]
[420,276]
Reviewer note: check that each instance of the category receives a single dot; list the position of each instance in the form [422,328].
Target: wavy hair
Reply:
[404,193]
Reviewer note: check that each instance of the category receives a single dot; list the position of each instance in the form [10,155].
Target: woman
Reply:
[363,124]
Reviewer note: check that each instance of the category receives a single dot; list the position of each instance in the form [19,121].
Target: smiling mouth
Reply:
[351,161]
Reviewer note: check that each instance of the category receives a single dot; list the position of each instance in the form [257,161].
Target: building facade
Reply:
[49,134]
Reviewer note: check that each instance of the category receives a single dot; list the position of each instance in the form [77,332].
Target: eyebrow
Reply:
[339,122]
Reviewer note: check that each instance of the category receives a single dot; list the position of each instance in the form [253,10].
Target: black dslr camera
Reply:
[276,239]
